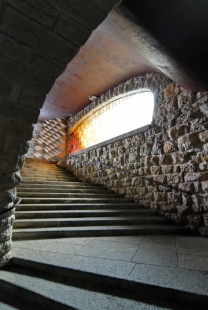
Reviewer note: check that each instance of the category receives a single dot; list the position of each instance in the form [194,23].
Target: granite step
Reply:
[96,231]
[89,221]
[52,276]
[81,213]
[56,194]
[35,170]
[63,190]
[56,183]
[45,171]
[44,291]
[51,178]
[60,185]
[77,206]
[40,200]
[53,182]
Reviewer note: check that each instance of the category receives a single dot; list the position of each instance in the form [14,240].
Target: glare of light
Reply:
[119,117]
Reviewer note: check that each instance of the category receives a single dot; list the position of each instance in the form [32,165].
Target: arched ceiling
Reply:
[135,38]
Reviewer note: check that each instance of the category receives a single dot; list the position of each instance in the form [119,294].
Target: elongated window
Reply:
[113,119]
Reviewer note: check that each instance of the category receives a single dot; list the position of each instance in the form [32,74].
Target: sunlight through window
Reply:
[115,118]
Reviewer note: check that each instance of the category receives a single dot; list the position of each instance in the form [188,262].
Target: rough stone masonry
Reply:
[174,151]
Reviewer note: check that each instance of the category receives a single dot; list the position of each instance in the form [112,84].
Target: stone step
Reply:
[61,185]
[65,190]
[48,182]
[53,276]
[74,200]
[36,160]
[41,172]
[77,206]
[96,231]
[51,178]
[52,169]
[42,165]
[45,292]
[90,221]
[82,213]
[67,195]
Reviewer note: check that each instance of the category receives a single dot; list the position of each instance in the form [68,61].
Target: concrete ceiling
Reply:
[135,39]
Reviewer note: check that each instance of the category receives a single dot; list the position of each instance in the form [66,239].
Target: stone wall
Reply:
[38,38]
[13,146]
[48,141]
[174,151]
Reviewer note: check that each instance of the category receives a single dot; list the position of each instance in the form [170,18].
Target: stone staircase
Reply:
[55,204]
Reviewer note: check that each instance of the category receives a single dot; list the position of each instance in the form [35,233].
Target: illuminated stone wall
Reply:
[174,151]
[122,115]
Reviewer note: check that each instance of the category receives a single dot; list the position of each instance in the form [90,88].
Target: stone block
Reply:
[154,205]
[37,37]
[133,157]
[183,210]
[175,132]
[204,108]
[184,118]
[160,196]
[203,136]
[25,75]
[166,159]
[174,198]
[160,178]
[180,157]
[189,187]
[5,235]
[157,149]
[155,169]
[203,231]
[6,87]
[188,142]
[31,97]
[145,150]
[171,90]
[155,160]
[176,169]
[198,125]
[47,67]
[167,169]
[85,13]
[174,178]
[188,167]
[169,147]
[68,28]
[193,177]
[195,221]
[137,181]
[14,48]
[205,202]
[205,148]
[205,216]
[40,10]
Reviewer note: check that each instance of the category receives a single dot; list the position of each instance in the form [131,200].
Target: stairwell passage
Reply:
[56,204]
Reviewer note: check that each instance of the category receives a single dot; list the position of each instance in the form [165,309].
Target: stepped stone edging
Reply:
[173,151]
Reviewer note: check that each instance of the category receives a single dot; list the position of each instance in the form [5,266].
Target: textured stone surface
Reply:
[173,151]
[190,276]
[13,143]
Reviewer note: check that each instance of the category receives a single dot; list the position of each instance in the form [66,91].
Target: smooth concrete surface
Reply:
[176,262]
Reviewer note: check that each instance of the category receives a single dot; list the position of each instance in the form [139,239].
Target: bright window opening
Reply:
[115,118]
